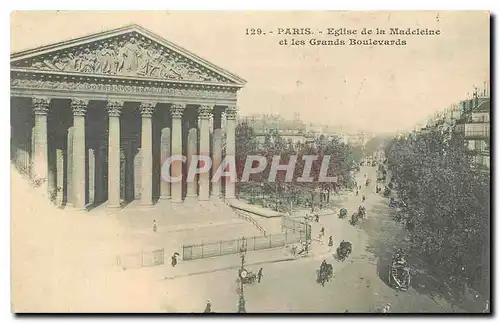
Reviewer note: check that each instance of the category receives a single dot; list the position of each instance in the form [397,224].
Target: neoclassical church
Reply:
[93,119]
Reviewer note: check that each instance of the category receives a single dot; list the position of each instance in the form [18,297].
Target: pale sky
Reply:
[377,89]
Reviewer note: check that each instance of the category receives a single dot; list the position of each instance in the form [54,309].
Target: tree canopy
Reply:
[446,202]
[342,160]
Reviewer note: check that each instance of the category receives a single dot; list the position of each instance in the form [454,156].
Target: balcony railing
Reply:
[484,152]
[484,133]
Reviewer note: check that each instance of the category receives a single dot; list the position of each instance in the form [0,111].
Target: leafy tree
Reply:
[342,160]
[446,203]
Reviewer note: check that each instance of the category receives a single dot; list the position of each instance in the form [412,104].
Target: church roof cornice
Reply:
[233,80]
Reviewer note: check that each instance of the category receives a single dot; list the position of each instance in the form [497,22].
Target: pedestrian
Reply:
[155,226]
[330,241]
[259,275]
[174,259]
[294,250]
[208,307]
[487,307]
[387,308]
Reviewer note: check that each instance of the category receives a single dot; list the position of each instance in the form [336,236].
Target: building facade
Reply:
[95,118]
[474,128]
[290,130]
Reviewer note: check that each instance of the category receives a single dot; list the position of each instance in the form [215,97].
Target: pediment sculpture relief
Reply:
[132,57]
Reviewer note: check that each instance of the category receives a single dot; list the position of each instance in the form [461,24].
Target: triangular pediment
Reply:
[129,51]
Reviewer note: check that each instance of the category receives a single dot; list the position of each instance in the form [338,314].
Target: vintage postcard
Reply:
[250,162]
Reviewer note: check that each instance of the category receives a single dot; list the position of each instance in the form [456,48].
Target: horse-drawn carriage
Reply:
[344,250]
[361,211]
[342,213]
[387,192]
[399,274]
[392,202]
[324,273]
[354,218]
[360,214]
[247,277]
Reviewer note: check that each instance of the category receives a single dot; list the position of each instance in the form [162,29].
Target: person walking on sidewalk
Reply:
[208,307]
[259,275]
[174,259]
[155,226]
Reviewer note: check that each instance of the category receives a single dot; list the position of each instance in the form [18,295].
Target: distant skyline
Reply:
[374,89]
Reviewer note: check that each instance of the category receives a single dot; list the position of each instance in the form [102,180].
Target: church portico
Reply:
[94,119]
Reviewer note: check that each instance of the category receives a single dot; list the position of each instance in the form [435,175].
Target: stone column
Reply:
[114,109]
[100,156]
[165,153]
[79,108]
[147,109]
[192,149]
[91,179]
[40,146]
[230,149]
[137,174]
[69,167]
[59,177]
[205,113]
[176,168]
[52,171]
[216,161]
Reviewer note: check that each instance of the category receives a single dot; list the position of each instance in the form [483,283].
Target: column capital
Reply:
[114,108]
[41,105]
[205,111]
[231,112]
[147,109]
[79,107]
[176,110]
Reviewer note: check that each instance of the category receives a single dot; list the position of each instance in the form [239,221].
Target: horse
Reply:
[361,211]
[354,218]
[324,274]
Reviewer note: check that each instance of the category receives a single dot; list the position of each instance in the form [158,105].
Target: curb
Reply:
[311,255]
[230,267]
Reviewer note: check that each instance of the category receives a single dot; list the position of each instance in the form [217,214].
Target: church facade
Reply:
[94,119]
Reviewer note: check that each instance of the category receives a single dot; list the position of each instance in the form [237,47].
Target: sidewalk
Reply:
[228,262]
[222,263]
[252,258]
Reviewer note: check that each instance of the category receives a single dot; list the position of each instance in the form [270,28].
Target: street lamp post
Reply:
[308,234]
[242,273]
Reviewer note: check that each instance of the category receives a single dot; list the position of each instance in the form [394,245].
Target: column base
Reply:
[166,197]
[177,201]
[203,198]
[113,206]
